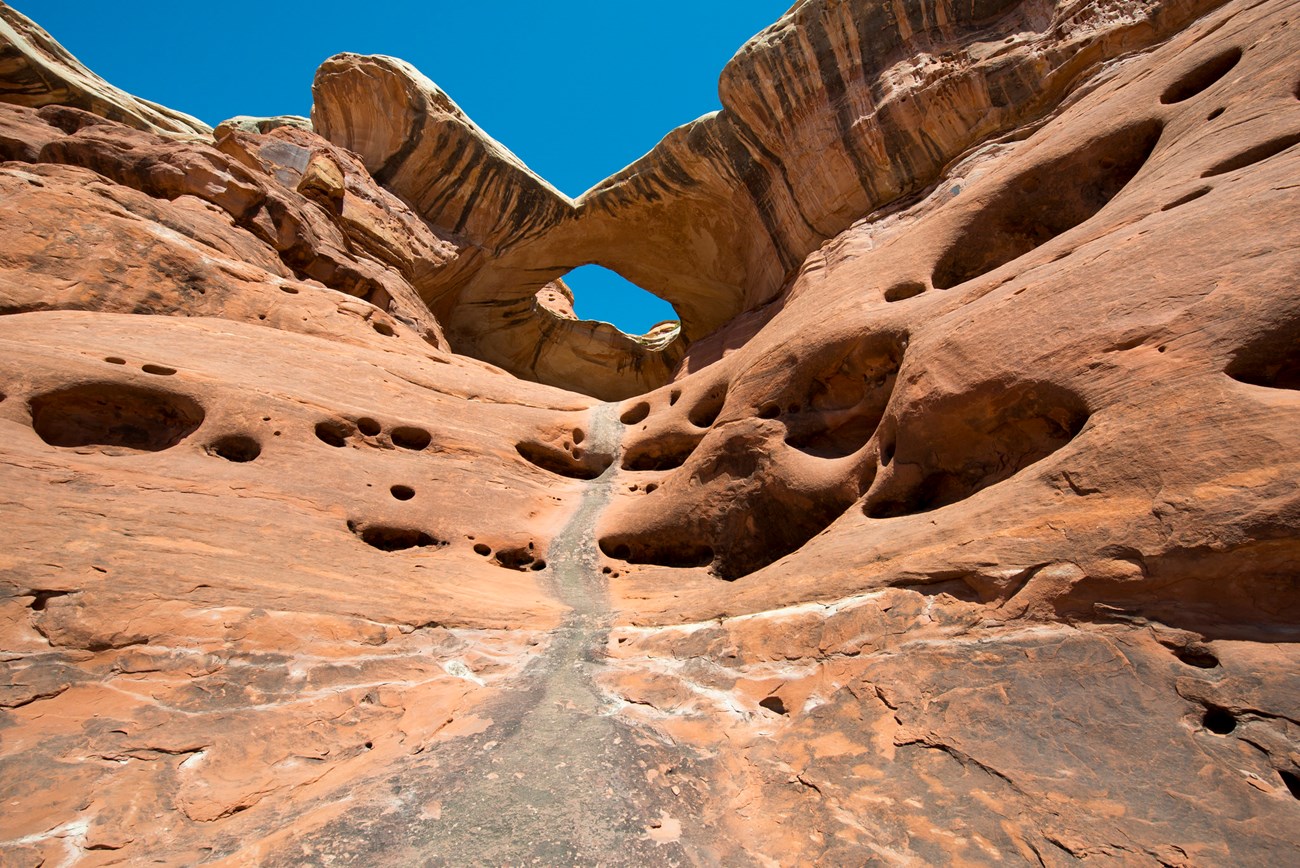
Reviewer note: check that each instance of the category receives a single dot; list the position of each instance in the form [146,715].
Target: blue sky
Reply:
[578,90]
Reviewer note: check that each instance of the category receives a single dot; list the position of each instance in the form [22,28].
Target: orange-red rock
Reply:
[962,528]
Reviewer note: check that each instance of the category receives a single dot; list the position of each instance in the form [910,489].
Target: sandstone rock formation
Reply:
[36,71]
[958,524]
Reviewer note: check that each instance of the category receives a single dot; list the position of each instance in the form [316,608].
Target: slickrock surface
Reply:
[958,524]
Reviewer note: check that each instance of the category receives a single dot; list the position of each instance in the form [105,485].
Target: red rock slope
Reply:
[958,524]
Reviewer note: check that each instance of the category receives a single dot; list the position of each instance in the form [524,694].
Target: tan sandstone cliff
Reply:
[957,524]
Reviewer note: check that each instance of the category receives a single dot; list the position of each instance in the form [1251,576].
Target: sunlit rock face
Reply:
[956,524]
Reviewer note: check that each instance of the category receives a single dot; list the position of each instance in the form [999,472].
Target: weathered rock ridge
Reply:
[958,524]
[837,110]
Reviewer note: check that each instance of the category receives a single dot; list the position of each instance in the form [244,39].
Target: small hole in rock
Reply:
[1201,77]
[368,426]
[482,549]
[261,316]
[160,370]
[1219,720]
[402,492]
[40,599]
[706,411]
[333,432]
[1292,782]
[114,360]
[538,566]
[578,435]
[774,703]
[384,329]
[1195,655]
[395,539]
[769,411]
[239,448]
[292,290]
[651,488]
[1190,197]
[562,463]
[906,289]
[410,437]
[1250,156]
[634,414]
[370,745]
[514,559]
[1214,114]
[673,396]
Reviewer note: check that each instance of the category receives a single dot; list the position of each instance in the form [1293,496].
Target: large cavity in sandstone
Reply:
[1046,201]
[115,414]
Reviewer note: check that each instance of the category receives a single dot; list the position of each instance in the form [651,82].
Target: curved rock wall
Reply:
[976,544]
[836,111]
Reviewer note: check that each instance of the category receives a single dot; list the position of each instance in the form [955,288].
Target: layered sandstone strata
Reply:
[958,524]
[837,110]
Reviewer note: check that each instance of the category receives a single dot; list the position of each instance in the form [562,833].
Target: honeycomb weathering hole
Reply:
[239,448]
[395,539]
[334,432]
[905,290]
[1256,154]
[563,463]
[1201,77]
[846,399]
[1218,720]
[115,414]
[666,452]
[1046,201]
[410,437]
[636,413]
[1272,360]
[676,553]
[517,558]
[974,441]
[706,410]
[1183,200]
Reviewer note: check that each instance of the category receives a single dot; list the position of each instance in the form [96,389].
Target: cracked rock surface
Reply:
[957,524]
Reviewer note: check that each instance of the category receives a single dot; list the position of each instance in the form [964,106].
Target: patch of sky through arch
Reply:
[599,293]
[577,90]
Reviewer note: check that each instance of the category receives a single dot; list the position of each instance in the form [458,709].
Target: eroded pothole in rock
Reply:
[115,415]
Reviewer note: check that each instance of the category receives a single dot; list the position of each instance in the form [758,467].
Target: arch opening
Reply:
[604,295]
